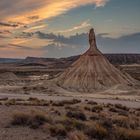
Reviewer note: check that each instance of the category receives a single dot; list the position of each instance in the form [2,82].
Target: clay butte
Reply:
[92,71]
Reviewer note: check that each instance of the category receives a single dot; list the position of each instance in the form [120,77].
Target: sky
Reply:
[58,28]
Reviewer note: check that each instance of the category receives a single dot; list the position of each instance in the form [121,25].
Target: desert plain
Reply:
[32,107]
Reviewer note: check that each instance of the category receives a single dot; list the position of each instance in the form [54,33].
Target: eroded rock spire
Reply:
[92,71]
[92,39]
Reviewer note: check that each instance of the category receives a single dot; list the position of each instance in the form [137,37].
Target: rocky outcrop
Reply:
[92,71]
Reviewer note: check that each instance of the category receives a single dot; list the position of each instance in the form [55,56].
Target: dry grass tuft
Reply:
[95,130]
[33,120]
[71,124]
[58,130]
[92,103]
[77,135]
[97,108]
[77,115]
[127,134]
[20,118]
[81,121]
[119,106]
[66,102]
[87,108]
[4,99]
[113,109]
[121,121]
[58,104]
[10,102]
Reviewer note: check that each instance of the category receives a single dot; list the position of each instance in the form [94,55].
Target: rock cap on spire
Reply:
[92,40]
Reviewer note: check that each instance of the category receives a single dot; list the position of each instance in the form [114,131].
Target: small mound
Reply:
[8,76]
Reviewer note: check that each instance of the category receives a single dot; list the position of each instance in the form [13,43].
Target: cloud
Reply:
[33,17]
[30,15]
[29,11]
[61,46]
[25,35]
[104,35]
[124,44]
[20,47]
[77,44]
[5,32]
[78,39]
[34,28]
[3,37]
[75,28]
[8,24]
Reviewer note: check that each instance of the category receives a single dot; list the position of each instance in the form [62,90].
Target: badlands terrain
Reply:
[26,94]
[87,97]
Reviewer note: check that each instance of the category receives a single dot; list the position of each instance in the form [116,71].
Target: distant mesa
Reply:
[92,71]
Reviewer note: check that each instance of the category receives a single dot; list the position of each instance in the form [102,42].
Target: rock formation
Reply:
[92,71]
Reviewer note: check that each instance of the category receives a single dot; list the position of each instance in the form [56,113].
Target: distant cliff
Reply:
[113,58]
[123,58]
[10,60]
[62,62]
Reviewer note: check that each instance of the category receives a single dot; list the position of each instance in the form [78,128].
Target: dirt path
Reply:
[128,103]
